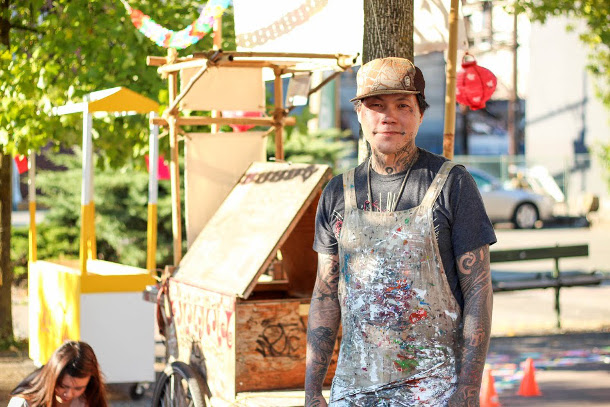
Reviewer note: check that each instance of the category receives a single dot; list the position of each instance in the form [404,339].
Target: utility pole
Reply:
[513,103]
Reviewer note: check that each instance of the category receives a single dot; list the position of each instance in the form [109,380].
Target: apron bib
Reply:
[401,322]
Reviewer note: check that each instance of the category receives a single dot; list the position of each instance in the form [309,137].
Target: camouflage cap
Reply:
[386,76]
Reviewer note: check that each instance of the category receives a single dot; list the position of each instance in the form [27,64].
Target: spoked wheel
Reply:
[178,386]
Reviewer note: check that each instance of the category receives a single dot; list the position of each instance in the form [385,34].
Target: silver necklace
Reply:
[402,186]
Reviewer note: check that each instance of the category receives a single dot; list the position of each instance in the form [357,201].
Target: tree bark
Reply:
[6,203]
[388,29]
[388,32]
[6,269]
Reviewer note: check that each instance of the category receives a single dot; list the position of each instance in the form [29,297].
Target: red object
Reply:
[489,396]
[418,315]
[240,127]
[475,84]
[529,387]
[136,17]
[162,168]
[22,163]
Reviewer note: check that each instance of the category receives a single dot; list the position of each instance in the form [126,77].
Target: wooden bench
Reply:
[556,279]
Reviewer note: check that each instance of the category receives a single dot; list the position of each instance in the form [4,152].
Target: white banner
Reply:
[214,163]
[330,26]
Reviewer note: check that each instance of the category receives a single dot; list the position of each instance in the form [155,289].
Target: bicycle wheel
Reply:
[178,386]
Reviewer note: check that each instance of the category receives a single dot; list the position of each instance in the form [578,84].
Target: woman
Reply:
[70,378]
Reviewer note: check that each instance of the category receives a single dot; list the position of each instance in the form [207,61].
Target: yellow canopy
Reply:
[117,99]
[121,99]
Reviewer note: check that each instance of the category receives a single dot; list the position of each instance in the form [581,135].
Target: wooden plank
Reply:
[278,114]
[203,121]
[343,58]
[278,398]
[276,285]
[205,329]
[300,261]
[241,239]
[271,346]
[538,253]
[568,281]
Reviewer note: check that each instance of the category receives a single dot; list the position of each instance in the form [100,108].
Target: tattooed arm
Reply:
[475,279]
[322,328]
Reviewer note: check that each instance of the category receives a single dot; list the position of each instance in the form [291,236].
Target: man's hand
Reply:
[465,396]
[322,328]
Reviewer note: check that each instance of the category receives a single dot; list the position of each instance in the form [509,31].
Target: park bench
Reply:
[556,279]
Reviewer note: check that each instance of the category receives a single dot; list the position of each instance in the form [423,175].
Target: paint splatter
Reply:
[418,315]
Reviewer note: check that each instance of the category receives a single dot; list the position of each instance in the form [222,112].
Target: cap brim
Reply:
[383,92]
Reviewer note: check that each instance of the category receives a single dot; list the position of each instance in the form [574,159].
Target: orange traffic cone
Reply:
[529,387]
[488,396]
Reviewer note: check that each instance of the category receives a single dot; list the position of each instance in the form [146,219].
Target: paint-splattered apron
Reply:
[400,319]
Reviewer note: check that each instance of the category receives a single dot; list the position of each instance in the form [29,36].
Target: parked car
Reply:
[524,208]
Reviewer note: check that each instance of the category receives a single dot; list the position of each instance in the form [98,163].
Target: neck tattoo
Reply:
[389,170]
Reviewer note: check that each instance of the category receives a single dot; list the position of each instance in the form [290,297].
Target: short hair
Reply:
[421,103]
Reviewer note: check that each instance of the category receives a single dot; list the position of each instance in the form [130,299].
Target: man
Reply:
[403,263]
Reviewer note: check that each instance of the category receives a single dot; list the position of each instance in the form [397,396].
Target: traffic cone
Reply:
[488,396]
[529,387]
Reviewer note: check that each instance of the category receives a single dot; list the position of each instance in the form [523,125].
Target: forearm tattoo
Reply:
[322,327]
[475,279]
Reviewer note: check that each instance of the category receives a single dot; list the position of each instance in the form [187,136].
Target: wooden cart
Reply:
[235,309]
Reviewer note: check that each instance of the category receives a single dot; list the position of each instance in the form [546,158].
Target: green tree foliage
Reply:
[332,147]
[596,15]
[60,50]
[55,51]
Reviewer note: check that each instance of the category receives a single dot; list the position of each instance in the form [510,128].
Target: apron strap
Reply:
[349,190]
[437,184]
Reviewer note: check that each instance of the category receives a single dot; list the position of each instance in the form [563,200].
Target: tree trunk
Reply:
[388,29]
[6,207]
[6,269]
[388,32]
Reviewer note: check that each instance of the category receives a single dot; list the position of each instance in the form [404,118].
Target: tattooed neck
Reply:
[394,163]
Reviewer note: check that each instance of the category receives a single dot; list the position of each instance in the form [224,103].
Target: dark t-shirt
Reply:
[460,221]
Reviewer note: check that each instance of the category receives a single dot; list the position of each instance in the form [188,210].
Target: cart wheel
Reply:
[136,392]
[178,386]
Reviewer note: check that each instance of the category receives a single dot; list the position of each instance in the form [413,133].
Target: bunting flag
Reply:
[22,163]
[166,38]
[162,168]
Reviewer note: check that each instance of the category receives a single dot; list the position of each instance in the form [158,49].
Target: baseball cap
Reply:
[384,76]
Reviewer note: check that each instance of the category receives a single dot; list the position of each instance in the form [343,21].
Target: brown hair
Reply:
[76,359]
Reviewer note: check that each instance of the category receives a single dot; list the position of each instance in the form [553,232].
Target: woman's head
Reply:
[76,371]
[71,372]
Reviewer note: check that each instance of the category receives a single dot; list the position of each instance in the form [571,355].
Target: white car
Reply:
[524,208]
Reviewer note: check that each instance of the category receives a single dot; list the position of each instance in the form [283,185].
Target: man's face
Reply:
[390,122]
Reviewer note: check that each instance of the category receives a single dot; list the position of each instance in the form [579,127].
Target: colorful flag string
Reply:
[183,38]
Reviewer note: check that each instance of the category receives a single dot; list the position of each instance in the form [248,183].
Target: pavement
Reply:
[572,363]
